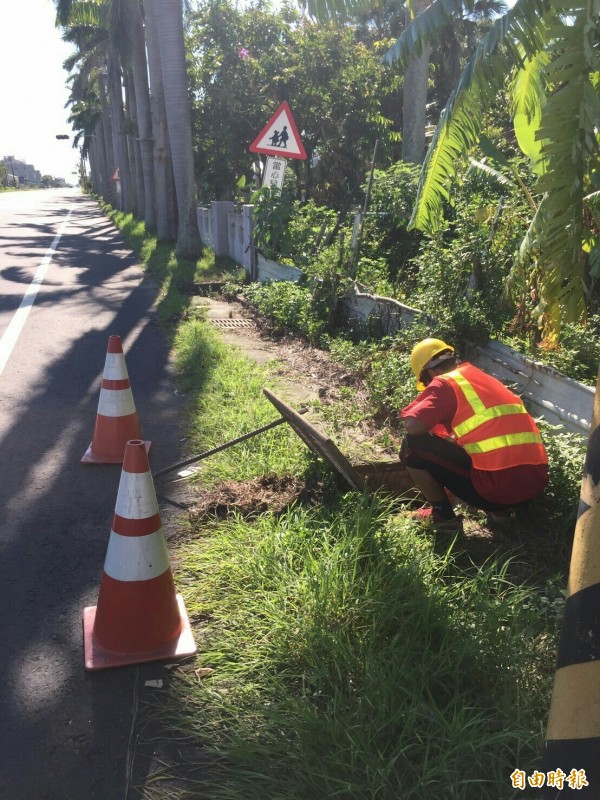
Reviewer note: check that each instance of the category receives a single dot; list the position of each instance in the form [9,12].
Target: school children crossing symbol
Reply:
[280,136]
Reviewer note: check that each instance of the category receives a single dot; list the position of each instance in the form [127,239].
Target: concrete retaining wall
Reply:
[547,393]
[272,271]
[360,306]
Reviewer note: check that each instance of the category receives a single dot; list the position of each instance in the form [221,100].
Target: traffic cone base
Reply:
[98,657]
[91,457]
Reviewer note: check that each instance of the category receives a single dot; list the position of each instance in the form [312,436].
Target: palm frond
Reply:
[490,150]
[458,130]
[527,253]
[528,96]
[329,10]
[425,29]
[80,12]
[490,172]
[456,133]
[568,128]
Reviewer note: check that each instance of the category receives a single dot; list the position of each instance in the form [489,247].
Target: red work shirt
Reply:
[435,407]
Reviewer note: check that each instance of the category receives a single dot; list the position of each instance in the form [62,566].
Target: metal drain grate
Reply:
[232,323]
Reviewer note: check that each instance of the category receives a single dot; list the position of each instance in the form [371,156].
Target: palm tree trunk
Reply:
[415,100]
[166,204]
[98,161]
[94,170]
[111,162]
[139,67]
[169,18]
[118,131]
[133,145]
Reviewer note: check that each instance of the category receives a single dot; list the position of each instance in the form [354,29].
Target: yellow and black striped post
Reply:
[571,759]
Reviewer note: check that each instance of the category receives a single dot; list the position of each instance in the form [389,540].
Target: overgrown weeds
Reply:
[343,652]
[353,658]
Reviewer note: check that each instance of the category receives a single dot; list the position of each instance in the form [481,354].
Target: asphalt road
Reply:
[66,734]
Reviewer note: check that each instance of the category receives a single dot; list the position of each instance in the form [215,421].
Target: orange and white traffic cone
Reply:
[139,617]
[116,421]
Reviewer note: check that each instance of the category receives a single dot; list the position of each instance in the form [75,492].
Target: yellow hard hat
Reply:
[422,353]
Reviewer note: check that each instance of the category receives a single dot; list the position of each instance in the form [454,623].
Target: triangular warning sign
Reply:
[280,136]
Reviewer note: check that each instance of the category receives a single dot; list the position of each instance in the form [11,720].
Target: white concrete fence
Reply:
[227,229]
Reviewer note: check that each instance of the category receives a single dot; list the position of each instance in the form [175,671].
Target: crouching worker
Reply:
[467,435]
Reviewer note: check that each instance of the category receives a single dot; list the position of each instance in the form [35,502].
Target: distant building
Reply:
[32,175]
[15,167]
[24,174]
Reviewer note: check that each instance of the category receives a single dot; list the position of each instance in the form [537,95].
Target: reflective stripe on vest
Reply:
[496,442]
[483,414]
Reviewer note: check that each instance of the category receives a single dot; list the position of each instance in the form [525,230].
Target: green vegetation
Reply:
[464,279]
[336,86]
[228,402]
[176,275]
[506,195]
[354,658]
[352,655]
[343,651]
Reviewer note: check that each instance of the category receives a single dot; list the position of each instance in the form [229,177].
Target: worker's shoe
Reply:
[439,523]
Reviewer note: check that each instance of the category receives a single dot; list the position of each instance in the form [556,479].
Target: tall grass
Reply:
[353,657]
[228,401]
[351,660]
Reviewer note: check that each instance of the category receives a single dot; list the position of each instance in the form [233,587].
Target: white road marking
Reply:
[13,331]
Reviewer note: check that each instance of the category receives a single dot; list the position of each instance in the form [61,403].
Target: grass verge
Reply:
[343,654]
[353,658]
[226,402]
[175,275]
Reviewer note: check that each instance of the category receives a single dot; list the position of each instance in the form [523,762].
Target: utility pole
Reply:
[359,221]
[12,166]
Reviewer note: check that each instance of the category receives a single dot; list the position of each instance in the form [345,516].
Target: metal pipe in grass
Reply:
[193,459]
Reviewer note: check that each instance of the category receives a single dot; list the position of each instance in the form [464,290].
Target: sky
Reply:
[32,88]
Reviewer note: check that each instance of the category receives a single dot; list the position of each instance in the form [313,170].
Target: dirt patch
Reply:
[307,374]
[273,493]
[304,374]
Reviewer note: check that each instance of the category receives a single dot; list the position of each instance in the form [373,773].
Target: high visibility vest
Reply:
[491,423]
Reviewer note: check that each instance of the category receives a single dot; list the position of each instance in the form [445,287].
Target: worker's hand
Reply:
[414,427]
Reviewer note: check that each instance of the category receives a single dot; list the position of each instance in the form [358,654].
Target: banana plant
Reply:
[548,53]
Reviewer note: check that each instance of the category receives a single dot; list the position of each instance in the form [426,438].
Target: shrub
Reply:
[566,455]
[289,305]
[310,229]
[272,212]
[578,354]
